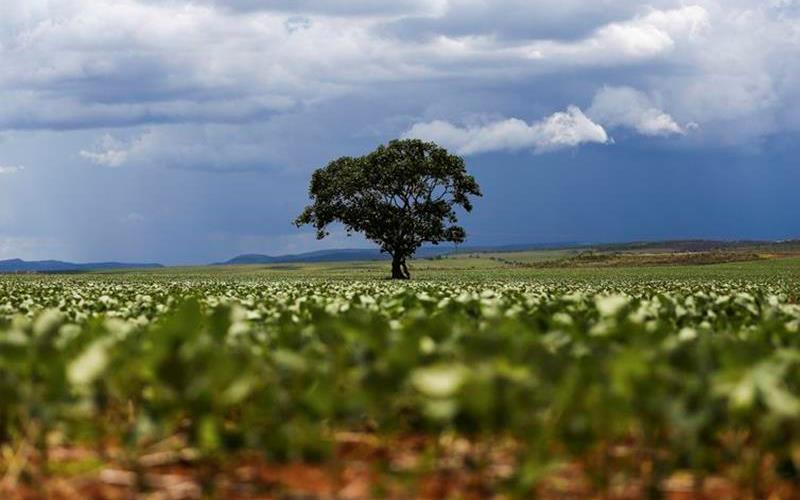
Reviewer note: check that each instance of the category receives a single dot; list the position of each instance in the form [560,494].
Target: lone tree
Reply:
[400,196]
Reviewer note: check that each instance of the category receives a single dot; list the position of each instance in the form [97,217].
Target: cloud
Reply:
[558,131]
[236,65]
[552,19]
[133,218]
[335,7]
[163,61]
[643,37]
[628,107]
[612,107]
[212,147]
[113,152]
[11,169]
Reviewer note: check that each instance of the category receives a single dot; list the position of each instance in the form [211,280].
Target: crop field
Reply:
[476,379]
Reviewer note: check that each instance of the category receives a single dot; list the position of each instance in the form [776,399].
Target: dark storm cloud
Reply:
[100,64]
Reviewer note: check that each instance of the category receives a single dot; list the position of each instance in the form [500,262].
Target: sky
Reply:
[185,131]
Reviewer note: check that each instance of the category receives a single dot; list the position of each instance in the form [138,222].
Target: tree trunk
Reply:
[399,269]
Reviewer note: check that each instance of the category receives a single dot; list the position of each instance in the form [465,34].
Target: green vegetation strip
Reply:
[682,374]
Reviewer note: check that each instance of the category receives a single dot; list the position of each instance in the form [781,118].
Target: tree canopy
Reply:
[400,196]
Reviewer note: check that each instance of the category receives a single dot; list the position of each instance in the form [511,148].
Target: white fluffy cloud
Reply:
[560,130]
[643,37]
[11,169]
[612,107]
[628,107]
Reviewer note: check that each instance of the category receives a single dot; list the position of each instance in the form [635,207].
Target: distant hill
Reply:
[686,245]
[791,246]
[366,254]
[57,266]
[362,254]
[345,255]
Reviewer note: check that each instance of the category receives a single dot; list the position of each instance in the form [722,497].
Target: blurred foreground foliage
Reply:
[679,375]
